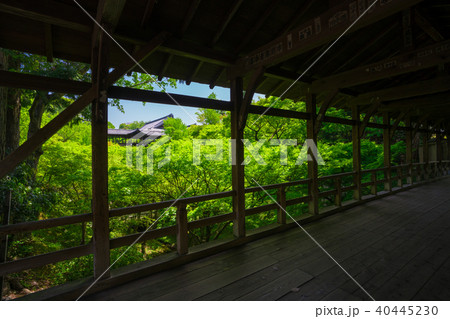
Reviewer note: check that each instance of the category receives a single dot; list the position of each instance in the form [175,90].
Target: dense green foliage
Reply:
[63,183]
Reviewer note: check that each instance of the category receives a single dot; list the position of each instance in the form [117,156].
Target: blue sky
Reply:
[135,111]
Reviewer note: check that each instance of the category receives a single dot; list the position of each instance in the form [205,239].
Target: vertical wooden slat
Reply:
[311,135]
[409,152]
[182,230]
[399,177]
[373,189]
[338,186]
[237,170]
[387,151]
[356,140]
[281,198]
[100,208]
[439,154]
[425,151]
[6,215]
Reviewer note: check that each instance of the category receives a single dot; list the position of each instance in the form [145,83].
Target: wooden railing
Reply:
[401,176]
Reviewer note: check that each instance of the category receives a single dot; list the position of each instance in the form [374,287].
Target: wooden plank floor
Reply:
[397,248]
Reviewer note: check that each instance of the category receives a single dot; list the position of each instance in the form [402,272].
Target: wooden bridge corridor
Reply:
[397,248]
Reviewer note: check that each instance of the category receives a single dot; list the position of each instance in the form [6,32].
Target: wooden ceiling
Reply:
[398,53]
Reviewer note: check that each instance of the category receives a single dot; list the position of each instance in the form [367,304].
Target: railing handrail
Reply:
[69,253]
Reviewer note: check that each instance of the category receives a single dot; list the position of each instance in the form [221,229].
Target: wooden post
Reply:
[387,151]
[439,170]
[425,151]
[100,207]
[237,170]
[356,139]
[338,186]
[374,190]
[399,177]
[6,215]
[281,198]
[311,135]
[182,230]
[409,152]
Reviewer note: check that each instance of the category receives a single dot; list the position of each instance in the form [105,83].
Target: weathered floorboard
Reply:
[396,248]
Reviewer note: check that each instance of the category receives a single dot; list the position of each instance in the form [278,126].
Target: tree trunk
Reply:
[13,112]
[36,112]
[3,107]
[13,120]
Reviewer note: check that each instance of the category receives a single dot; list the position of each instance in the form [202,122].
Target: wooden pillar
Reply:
[100,208]
[426,153]
[356,138]
[237,171]
[182,230]
[6,214]
[439,154]
[338,197]
[409,152]
[281,212]
[387,151]
[311,135]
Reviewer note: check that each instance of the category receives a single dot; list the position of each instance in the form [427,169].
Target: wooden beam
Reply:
[418,102]
[189,16]
[439,148]
[356,142]
[427,27]
[387,152]
[51,12]
[249,35]
[147,12]
[419,122]
[281,74]
[426,152]
[194,72]
[420,59]
[427,87]
[140,55]
[196,52]
[319,31]
[256,78]
[100,203]
[324,108]
[408,38]
[227,18]
[164,66]
[130,94]
[182,230]
[409,151]
[41,136]
[49,42]
[112,12]
[368,46]
[296,17]
[237,169]
[371,112]
[399,118]
[273,90]
[40,83]
[216,78]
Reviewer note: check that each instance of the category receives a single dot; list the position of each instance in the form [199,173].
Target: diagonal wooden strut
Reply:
[324,108]
[371,112]
[256,78]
